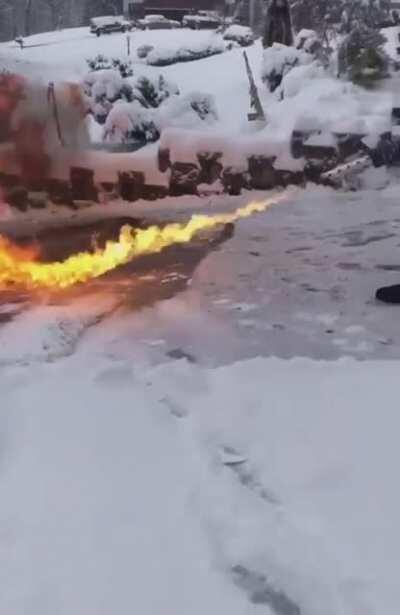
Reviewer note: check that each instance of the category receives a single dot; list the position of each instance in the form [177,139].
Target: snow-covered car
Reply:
[202,20]
[157,22]
[108,24]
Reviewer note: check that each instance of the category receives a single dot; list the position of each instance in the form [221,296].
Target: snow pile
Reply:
[164,56]
[315,101]
[242,35]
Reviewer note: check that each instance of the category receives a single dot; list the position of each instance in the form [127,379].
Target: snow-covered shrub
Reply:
[239,34]
[203,105]
[101,62]
[104,88]
[144,50]
[124,67]
[278,61]
[152,91]
[307,40]
[131,122]
[361,56]
[188,53]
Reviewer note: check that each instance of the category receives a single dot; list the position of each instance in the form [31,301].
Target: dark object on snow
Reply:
[389,294]
[278,24]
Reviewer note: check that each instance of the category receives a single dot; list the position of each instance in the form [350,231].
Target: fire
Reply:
[21,267]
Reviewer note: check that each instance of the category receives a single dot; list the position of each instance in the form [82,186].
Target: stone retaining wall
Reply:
[206,175]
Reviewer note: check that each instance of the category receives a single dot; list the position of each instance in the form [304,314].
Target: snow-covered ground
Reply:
[266,486]
[231,449]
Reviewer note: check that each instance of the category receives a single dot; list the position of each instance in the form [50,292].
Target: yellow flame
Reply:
[20,267]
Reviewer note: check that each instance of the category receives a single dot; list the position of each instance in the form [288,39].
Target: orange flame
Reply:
[21,268]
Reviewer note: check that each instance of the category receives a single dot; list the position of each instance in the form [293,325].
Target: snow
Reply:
[180,488]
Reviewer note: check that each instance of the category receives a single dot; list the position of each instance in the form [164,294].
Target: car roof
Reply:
[155,16]
[107,19]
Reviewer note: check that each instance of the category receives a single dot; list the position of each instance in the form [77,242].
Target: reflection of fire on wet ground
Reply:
[142,282]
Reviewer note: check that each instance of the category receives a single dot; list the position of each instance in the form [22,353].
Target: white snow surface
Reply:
[180,489]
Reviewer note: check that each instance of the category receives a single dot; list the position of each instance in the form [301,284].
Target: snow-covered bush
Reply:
[152,91]
[239,34]
[124,67]
[143,51]
[278,61]
[307,40]
[131,122]
[203,105]
[101,62]
[104,88]
[361,56]
[196,51]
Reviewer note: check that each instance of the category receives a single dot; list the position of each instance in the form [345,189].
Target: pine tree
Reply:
[361,55]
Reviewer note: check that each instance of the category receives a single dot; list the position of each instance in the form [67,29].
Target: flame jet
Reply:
[21,267]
